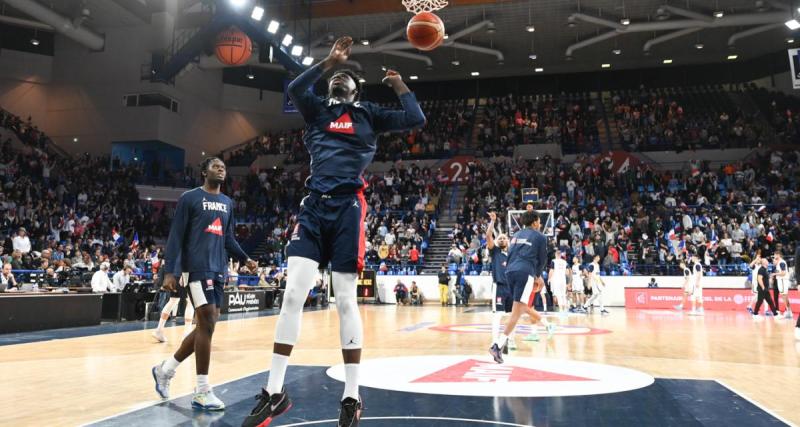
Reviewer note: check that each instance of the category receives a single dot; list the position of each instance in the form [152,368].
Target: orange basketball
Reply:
[233,47]
[425,31]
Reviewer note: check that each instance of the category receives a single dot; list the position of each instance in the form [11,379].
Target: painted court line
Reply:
[416,327]
[461,420]
[756,404]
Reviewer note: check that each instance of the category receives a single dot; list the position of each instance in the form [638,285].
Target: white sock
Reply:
[202,384]
[170,365]
[495,325]
[161,322]
[276,373]
[501,340]
[350,381]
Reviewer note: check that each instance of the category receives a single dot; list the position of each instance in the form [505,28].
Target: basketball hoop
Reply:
[417,6]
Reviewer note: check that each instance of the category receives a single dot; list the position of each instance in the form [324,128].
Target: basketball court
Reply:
[426,366]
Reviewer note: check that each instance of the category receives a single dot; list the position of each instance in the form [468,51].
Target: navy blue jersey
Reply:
[527,252]
[342,138]
[201,236]
[499,261]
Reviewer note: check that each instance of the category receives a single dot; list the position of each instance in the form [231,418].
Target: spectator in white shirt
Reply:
[7,278]
[100,280]
[21,242]
[120,279]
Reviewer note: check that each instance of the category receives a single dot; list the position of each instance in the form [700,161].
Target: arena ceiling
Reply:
[495,40]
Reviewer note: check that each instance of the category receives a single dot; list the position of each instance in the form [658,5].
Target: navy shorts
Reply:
[330,228]
[504,300]
[521,284]
[206,291]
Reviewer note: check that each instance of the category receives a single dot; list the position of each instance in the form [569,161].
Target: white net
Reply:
[417,6]
[547,217]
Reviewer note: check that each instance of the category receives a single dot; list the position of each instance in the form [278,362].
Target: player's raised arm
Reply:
[490,231]
[301,89]
[410,117]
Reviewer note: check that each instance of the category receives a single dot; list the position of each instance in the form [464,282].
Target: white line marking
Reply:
[759,406]
[465,420]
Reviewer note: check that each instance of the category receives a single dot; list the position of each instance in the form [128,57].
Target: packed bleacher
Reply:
[570,120]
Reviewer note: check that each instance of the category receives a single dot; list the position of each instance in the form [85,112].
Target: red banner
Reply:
[456,168]
[713,299]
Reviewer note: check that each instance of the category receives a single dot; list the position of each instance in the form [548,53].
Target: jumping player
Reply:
[504,300]
[527,258]
[781,277]
[557,276]
[697,288]
[598,287]
[200,240]
[686,288]
[340,136]
[176,296]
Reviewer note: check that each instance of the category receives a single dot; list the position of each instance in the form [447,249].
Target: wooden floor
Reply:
[80,380]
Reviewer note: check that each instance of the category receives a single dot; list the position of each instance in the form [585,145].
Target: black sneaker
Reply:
[505,349]
[350,412]
[497,353]
[267,408]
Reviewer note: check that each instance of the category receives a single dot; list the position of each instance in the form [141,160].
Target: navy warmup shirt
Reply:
[499,261]
[340,137]
[527,253]
[201,236]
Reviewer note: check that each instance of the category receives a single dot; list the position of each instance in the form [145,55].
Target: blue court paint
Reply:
[416,327]
[117,327]
[668,402]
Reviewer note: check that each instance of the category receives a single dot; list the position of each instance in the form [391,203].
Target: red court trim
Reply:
[531,298]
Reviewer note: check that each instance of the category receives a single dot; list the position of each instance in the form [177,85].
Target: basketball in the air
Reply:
[425,31]
[233,47]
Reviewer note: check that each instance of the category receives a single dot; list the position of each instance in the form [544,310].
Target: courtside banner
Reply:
[794,63]
[713,299]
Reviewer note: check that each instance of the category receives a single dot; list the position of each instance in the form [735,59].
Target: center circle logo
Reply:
[481,376]
[485,328]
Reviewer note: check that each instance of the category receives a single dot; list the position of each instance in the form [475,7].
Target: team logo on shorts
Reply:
[481,376]
[296,232]
[209,285]
[485,328]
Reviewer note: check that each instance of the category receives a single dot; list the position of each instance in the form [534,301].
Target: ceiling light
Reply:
[699,46]
[605,66]
[273,26]
[625,21]
[667,61]
[364,42]
[455,62]
[719,14]
[258,13]
[297,50]
[413,77]
[35,41]
[732,57]
[617,51]
[532,56]
[793,24]
[308,60]
[790,40]
[202,153]
[530,28]
[362,80]
[446,36]
[238,3]
[250,76]
[474,74]
[287,40]
[539,70]
[383,68]
[74,139]
[149,199]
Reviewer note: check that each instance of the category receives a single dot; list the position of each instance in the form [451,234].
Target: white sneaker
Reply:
[158,334]
[756,317]
[512,344]
[788,315]
[162,379]
[207,401]
[797,334]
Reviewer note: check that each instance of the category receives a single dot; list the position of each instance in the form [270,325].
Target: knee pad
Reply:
[300,281]
[351,331]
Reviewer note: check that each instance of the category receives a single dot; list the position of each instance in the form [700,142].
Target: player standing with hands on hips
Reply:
[200,240]
[341,136]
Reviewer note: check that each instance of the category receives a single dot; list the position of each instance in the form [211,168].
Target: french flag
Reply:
[475,257]
[770,236]
[135,242]
[627,229]
[682,246]
[671,234]
[116,236]
[588,225]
